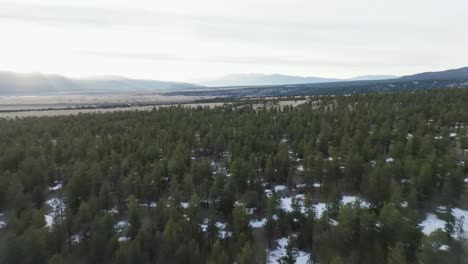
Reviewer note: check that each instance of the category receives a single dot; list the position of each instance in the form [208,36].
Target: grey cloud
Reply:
[277,33]
[393,59]
[136,18]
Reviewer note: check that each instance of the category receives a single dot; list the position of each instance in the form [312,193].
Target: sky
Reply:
[194,40]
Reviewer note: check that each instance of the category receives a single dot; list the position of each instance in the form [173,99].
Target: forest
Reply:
[362,178]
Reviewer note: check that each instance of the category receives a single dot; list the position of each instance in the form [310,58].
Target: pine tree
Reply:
[291,254]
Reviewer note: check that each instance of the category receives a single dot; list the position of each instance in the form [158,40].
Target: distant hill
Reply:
[327,88]
[35,83]
[455,74]
[372,78]
[254,79]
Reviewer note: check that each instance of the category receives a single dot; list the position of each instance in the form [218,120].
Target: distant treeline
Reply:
[336,88]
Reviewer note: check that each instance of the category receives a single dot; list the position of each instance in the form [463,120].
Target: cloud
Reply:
[345,39]
[393,59]
[92,16]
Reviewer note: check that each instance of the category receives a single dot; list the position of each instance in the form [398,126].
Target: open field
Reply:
[61,112]
[73,104]
[83,100]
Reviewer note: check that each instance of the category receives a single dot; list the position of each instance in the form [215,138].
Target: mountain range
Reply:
[253,79]
[37,83]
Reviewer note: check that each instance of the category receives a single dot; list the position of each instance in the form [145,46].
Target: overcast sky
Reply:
[199,39]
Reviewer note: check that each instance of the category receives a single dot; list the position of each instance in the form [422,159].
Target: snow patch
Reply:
[444,247]
[459,214]
[258,223]
[57,206]
[76,239]
[320,209]
[286,204]
[274,255]
[123,239]
[113,211]
[279,188]
[121,225]
[431,224]
[222,232]
[353,199]
[56,187]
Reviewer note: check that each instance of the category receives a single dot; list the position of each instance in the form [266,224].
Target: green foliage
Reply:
[393,150]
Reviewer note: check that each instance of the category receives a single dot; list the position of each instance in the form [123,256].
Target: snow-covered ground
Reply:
[257,223]
[76,238]
[279,188]
[431,223]
[56,187]
[121,225]
[57,206]
[316,185]
[3,222]
[274,255]
[353,199]
[123,239]
[444,247]
[320,209]
[286,203]
[222,232]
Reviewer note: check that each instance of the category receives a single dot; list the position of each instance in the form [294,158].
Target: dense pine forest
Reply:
[370,178]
